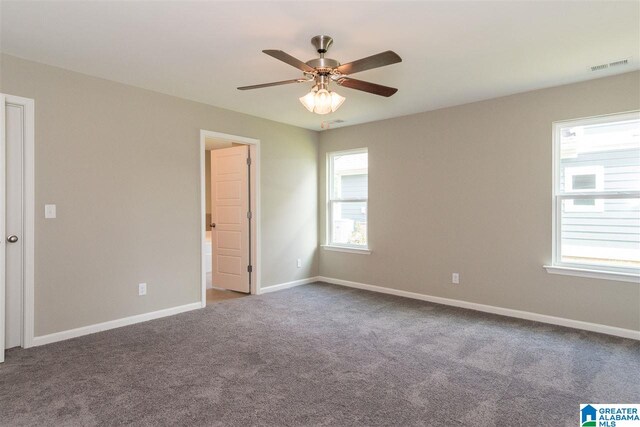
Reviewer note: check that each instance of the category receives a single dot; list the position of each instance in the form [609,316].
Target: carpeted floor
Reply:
[321,355]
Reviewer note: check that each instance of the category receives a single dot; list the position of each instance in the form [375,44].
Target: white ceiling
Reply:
[453,52]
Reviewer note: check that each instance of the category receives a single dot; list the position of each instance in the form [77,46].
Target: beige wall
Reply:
[468,189]
[123,166]
[474,181]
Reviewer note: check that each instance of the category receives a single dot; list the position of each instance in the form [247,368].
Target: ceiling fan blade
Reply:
[285,57]
[284,82]
[380,60]
[367,86]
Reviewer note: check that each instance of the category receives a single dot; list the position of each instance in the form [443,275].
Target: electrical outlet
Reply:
[299,263]
[455,278]
[142,289]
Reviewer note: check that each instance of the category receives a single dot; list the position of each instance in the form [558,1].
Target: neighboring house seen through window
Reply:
[584,178]
[348,191]
[597,193]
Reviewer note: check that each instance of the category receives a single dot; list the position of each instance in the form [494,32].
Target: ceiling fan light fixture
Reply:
[336,101]
[309,100]
[322,101]
[323,71]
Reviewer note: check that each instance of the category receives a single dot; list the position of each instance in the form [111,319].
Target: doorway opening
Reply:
[17,129]
[230,211]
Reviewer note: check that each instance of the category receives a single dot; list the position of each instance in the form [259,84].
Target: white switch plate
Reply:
[455,278]
[49,211]
[142,289]
[299,264]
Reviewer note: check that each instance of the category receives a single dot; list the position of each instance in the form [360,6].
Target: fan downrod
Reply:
[322,65]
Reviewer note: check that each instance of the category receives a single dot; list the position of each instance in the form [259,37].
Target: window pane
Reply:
[601,232]
[349,223]
[600,157]
[353,186]
[350,176]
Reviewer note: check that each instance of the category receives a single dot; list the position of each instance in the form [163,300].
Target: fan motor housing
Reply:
[323,64]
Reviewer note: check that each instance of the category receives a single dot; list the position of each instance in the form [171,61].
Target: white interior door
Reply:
[3,162]
[17,145]
[14,208]
[230,221]
[13,224]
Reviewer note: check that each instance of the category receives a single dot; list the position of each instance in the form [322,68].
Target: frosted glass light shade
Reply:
[336,101]
[321,101]
[309,101]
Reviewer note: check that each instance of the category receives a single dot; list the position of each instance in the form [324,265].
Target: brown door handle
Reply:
[213,225]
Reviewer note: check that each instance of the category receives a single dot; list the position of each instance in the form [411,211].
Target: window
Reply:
[348,190]
[597,194]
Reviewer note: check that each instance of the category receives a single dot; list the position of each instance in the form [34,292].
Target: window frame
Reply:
[331,200]
[559,195]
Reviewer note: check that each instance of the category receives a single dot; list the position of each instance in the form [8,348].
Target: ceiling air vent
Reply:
[327,125]
[617,63]
[610,64]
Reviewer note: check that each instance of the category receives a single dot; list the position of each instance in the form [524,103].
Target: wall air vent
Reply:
[609,65]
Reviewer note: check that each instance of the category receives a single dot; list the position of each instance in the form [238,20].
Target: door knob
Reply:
[12,239]
[213,225]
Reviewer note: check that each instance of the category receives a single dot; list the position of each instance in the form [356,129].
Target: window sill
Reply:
[364,251]
[594,274]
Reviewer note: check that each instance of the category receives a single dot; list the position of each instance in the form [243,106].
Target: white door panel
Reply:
[230,205]
[16,221]
[3,162]
[230,240]
[13,225]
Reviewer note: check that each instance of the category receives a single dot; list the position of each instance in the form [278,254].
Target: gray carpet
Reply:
[321,355]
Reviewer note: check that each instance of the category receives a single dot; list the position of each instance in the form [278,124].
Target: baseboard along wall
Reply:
[560,321]
[112,324]
[287,285]
[543,318]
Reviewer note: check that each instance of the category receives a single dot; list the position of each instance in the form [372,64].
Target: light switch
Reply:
[49,211]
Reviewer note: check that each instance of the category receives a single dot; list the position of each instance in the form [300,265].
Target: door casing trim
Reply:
[256,234]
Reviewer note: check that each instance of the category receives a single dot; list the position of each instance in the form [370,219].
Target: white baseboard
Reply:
[287,285]
[576,324]
[112,324]
[99,327]
[543,318]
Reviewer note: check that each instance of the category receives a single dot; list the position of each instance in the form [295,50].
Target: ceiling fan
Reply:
[323,71]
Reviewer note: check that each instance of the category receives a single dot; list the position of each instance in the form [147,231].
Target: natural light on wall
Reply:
[597,193]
